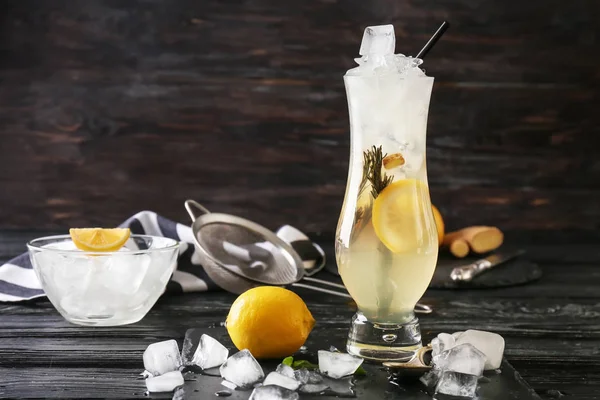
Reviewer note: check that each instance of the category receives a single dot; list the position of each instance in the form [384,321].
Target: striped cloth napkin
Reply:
[19,282]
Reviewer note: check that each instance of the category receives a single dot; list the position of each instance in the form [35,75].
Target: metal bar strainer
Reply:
[238,254]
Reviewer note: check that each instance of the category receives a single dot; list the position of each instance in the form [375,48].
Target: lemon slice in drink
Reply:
[399,217]
[439,224]
[99,239]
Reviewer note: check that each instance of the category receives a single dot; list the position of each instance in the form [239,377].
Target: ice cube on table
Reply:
[457,384]
[435,347]
[179,394]
[146,374]
[379,39]
[441,343]
[456,335]
[286,370]
[228,385]
[463,358]
[275,378]
[304,375]
[242,369]
[165,382]
[269,392]
[431,378]
[313,388]
[337,365]
[210,353]
[340,387]
[446,342]
[489,343]
[162,357]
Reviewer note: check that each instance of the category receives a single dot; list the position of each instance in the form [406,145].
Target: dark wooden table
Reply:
[551,327]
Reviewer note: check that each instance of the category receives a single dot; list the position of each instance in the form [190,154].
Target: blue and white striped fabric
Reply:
[18,281]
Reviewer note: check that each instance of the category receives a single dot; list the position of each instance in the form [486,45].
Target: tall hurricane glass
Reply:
[386,240]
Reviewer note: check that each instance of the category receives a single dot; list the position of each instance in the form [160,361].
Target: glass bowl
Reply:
[104,288]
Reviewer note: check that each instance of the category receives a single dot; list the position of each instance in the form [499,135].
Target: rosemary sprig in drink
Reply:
[373,159]
[373,176]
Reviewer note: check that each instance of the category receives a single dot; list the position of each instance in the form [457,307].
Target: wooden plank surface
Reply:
[109,107]
[551,329]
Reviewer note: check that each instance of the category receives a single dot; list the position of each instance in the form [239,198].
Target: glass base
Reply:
[104,321]
[383,342]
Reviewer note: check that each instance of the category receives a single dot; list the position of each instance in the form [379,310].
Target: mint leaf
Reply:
[298,364]
[360,371]
[304,364]
[288,361]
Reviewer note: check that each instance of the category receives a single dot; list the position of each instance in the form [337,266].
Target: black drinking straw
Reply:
[436,36]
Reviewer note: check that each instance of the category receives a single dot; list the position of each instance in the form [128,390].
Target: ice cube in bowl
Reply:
[103,288]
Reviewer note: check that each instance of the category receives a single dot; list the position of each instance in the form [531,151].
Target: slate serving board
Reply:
[507,385]
[517,271]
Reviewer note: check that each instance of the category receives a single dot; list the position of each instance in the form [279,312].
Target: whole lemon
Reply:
[439,223]
[271,322]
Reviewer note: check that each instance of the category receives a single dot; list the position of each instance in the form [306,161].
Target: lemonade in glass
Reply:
[386,240]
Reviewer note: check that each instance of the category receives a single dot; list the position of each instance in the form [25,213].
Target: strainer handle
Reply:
[193,207]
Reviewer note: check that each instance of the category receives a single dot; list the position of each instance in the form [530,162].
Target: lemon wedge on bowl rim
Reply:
[99,239]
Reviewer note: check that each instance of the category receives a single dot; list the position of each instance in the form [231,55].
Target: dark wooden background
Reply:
[110,107]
